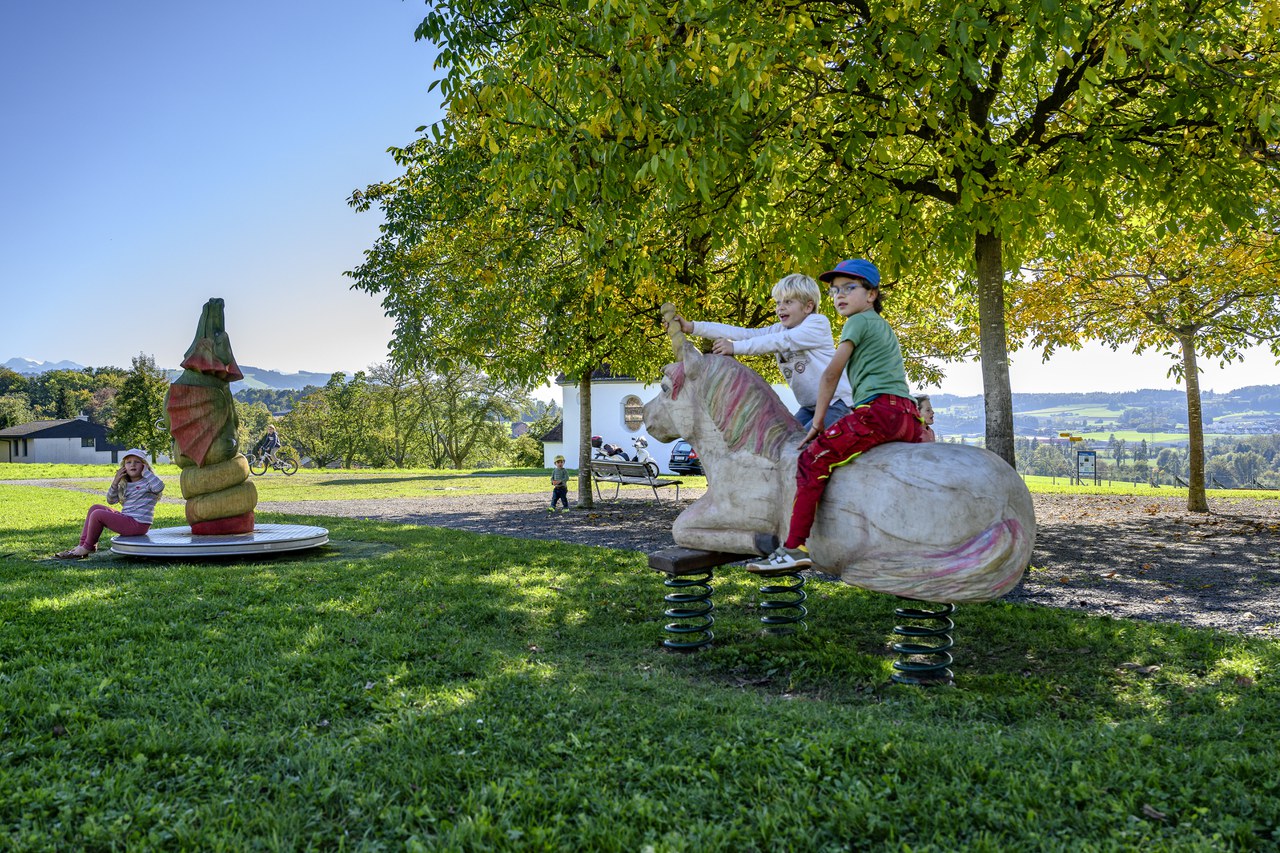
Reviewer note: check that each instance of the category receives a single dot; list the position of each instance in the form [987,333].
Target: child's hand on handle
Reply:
[676,326]
[678,322]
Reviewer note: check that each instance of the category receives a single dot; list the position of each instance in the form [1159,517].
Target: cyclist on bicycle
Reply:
[267,446]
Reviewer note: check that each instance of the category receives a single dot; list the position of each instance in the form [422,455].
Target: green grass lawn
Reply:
[1063,485]
[414,688]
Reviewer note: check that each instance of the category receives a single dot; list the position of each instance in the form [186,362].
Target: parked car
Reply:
[684,459]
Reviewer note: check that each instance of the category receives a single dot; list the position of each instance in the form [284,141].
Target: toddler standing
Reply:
[559,485]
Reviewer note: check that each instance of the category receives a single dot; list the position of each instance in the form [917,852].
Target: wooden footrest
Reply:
[688,561]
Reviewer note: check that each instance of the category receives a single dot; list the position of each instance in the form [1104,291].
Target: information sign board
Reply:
[1087,465]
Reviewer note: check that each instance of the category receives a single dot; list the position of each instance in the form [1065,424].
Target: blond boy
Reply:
[801,341]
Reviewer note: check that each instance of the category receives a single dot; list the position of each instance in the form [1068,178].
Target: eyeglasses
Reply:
[844,289]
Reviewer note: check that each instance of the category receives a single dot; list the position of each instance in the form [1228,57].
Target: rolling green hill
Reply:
[1158,416]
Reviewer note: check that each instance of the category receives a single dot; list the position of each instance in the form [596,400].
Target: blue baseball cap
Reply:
[855,268]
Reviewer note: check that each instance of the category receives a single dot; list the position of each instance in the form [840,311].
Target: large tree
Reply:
[979,127]
[252,419]
[12,382]
[540,227]
[477,276]
[943,139]
[467,417]
[400,394]
[315,428]
[14,410]
[352,417]
[139,408]
[1173,292]
[68,393]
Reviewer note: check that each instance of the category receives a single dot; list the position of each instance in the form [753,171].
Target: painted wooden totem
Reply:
[201,416]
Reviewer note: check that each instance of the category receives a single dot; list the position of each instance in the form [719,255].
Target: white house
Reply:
[74,440]
[617,416]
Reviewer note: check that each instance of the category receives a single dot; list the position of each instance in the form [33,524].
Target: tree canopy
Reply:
[610,155]
[139,408]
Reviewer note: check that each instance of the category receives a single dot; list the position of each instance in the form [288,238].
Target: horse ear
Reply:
[692,358]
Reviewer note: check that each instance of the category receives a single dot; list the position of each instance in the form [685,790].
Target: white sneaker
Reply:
[782,560]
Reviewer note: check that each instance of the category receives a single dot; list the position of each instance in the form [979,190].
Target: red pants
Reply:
[104,516]
[884,419]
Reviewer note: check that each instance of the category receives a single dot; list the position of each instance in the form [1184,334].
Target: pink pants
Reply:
[884,419]
[104,516]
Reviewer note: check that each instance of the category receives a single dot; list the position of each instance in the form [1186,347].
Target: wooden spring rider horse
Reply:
[934,522]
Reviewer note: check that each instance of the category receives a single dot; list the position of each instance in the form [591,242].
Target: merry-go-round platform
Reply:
[181,542]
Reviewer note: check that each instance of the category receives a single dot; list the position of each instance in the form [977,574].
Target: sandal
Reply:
[69,555]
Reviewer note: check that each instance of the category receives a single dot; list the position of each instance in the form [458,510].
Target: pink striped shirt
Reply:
[140,496]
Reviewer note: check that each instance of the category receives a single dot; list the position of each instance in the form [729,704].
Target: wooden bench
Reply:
[627,474]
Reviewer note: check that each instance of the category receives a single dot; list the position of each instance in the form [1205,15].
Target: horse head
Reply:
[745,438]
[671,415]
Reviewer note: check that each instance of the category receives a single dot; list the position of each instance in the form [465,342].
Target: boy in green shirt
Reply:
[883,410]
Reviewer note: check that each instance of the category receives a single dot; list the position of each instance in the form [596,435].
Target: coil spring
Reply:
[783,614]
[924,659]
[690,605]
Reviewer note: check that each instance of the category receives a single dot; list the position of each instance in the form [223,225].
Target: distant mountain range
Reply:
[254,377]
[29,367]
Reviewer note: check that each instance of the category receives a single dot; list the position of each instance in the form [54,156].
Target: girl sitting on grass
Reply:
[137,489]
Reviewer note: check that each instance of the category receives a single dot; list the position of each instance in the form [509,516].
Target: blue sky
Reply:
[155,154]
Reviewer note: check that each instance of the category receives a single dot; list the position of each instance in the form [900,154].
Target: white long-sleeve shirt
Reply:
[140,496]
[802,353]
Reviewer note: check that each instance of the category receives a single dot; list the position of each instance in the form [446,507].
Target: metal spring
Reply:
[924,659]
[783,615]
[690,605]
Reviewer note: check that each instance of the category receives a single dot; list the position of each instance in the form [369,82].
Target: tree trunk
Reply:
[1196,500]
[996,393]
[584,441]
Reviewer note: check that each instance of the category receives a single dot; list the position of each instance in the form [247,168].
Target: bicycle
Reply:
[261,461]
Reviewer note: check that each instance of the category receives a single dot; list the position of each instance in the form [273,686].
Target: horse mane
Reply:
[741,404]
